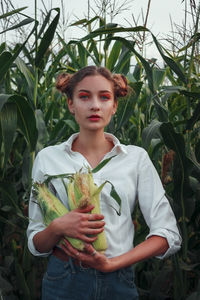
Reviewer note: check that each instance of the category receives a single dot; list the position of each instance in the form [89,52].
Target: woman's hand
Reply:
[89,257]
[80,223]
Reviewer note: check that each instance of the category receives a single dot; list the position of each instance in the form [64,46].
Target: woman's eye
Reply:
[105,96]
[83,95]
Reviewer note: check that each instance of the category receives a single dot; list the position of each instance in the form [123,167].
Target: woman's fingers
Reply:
[89,249]
[95,217]
[68,249]
[95,224]
[85,210]
[80,225]
[73,252]
[92,231]
[89,256]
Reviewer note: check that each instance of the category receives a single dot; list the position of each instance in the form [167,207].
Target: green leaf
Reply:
[26,120]
[9,193]
[28,76]
[3,100]
[114,54]
[25,71]
[170,62]
[85,22]
[82,51]
[130,45]
[182,190]
[69,50]
[197,151]
[174,141]
[71,124]
[113,194]
[47,39]
[99,189]
[117,198]
[58,131]
[137,71]
[45,23]
[82,55]
[125,108]
[158,77]
[195,117]
[195,38]
[170,89]
[150,132]
[8,118]
[111,29]
[26,169]
[22,280]
[2,47]
[50,177]
[42,130]
[22,23]
[161,110]
[6,221]
[193,95]
[124,58]
[10,13]
[6,60]
[93,49]
[102,164]
[79,22]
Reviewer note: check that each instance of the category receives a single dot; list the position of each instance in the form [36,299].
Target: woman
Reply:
[92,95]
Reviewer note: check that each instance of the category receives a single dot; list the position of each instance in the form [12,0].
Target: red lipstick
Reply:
[94,118]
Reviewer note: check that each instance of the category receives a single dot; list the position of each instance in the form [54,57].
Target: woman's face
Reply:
[93,102]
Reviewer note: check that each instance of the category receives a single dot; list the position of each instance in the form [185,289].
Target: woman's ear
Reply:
[70,105]
[115,105]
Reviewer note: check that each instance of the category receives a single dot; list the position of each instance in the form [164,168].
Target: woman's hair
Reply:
[66,82]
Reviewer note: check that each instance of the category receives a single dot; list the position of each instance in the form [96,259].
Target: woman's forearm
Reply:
[153,246]
[45,240]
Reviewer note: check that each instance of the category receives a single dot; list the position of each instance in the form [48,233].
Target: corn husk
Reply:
[52,208]
[82,191]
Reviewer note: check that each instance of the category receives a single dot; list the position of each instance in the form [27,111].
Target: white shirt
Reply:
[133,176]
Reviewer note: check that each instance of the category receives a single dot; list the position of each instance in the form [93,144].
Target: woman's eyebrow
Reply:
[102,91]
[82,90]
[106,91]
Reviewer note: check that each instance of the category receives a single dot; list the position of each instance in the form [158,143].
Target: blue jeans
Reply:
[68,281]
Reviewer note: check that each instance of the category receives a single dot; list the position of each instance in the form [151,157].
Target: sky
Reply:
[158,20]
[159,16]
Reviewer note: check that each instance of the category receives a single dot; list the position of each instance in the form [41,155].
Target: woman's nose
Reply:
[95,105]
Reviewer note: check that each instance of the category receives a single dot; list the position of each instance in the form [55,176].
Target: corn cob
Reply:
[52,208]
[82,191]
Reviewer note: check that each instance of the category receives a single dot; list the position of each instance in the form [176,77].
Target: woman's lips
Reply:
[94,118]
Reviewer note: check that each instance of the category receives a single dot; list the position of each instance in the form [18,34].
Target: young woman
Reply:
[92,95]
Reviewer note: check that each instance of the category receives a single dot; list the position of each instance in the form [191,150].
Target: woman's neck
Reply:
[92,146]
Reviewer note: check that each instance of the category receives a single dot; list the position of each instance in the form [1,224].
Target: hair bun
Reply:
[121,85]
[62,82]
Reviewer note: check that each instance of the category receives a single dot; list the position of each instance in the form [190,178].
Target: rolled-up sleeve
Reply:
[155,206]
[35,218]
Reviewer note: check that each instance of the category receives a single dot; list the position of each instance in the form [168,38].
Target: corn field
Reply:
[161,115]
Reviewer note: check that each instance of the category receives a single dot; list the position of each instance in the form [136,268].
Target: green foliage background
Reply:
[162,115]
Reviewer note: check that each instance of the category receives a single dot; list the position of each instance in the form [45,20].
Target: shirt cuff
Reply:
[32,248]
[174,241]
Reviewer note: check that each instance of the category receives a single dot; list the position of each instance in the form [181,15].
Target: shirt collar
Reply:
[118,147]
